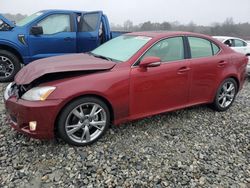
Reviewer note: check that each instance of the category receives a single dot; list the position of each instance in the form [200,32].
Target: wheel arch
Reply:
[215,102]
[12,50]
[106,101]
[236,80]
[230,76]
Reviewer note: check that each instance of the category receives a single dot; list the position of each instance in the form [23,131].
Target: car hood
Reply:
[61,64]
[10,23]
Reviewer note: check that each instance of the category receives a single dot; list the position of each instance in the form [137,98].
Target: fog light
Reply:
[32,125]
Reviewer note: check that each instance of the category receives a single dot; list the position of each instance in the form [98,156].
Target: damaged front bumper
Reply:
[22,113]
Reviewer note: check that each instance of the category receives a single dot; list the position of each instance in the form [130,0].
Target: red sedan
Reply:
[132,76]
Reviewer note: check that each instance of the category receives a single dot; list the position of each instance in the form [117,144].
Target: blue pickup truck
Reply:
[49,33]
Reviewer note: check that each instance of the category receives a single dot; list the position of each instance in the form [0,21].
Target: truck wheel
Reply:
[9,66]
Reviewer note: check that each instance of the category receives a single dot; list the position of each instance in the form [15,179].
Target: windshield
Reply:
[28,19]
[121,48]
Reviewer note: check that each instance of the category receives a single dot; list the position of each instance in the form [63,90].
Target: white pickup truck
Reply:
[239,45]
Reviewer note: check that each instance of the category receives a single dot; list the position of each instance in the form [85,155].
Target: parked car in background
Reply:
[132,76]
[237,44]
[49,33]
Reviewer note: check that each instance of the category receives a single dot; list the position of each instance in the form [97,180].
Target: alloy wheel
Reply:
[85,122]
[226,94]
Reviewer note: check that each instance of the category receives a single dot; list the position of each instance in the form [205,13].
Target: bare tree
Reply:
[128,25]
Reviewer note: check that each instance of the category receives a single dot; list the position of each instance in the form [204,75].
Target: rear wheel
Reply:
[225,95]
[83,121]
[9,66]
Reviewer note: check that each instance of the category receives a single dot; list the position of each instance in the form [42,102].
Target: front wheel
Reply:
[9,66]
[83,121]
[225,95]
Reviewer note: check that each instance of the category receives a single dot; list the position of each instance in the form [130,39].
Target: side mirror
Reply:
[36,30]
[150,62]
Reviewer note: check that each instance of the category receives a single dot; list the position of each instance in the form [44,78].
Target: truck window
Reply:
[89,22]
[29,19]
[55,23]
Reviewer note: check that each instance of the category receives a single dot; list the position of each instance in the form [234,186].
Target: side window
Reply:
[170,49]
[90,22]
[216,49]
[200,47]
[238,43]
[229,42]
[55,23]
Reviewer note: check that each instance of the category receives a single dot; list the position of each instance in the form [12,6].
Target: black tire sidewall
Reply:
[216,104]
[16,62]
[68,108]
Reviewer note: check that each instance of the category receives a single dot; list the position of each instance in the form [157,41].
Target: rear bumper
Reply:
[21,112]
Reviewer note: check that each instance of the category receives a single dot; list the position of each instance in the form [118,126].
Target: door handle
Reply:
[68,39]
[183,70]
[222,63]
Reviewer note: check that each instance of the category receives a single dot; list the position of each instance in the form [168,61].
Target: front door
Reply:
[58,37]
[157,89]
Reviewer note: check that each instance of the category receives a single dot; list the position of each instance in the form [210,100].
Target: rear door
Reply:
[90,31]
[59,36]
[206,67]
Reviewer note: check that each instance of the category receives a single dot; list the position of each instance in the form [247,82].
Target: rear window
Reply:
[90,22]
[200,47]
[239,43]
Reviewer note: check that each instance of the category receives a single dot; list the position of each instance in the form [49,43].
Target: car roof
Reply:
[223,38]
[163,34]
[60,10]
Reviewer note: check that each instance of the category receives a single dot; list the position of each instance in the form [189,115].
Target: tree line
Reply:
[14,17]
[228,27]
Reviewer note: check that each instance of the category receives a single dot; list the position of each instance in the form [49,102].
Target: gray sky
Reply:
[203,12]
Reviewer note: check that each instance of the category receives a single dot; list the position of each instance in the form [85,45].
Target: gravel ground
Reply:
[195,147]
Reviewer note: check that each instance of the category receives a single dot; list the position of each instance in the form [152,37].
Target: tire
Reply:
[9,66]
[78,125]
[225,95]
